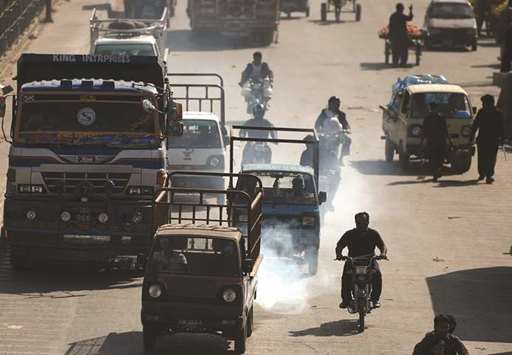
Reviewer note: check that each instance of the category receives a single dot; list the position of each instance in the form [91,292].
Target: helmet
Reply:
[258,111]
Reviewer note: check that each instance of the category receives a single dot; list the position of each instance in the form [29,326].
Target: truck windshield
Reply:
[125,49]
[112,123]
[198,134]
[286,187]
[451,11]
[453,105]
[198,255]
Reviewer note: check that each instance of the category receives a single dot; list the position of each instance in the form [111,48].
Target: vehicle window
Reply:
[93,122]
[198,134]
[451,11]
[142,49]
[195,256]
[453,105]
[285,186]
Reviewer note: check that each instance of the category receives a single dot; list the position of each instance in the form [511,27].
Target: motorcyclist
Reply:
[325,117]
[360,241]
[256,70]
[257,121]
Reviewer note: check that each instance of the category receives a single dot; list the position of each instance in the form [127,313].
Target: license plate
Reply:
[86,239]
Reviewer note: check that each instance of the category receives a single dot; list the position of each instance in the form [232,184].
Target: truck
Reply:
[88,151]
[238,18]
[131,37]
[402,120]
[205,138]
[291,197]
[202,273]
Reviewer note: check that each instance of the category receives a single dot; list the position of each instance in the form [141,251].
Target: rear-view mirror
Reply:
[322,196]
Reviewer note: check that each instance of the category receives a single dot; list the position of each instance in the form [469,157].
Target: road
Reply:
[447,241]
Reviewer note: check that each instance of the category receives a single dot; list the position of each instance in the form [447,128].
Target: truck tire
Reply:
[403,159]
[240,341]
[149,335]
[250,321]
[474,46]
[311,255]
[307,12]
[389,150]
[462,163]
[19,258]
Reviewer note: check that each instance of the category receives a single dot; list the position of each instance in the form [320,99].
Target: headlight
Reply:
[415,131]
[466,131]
[214,162]
[103,217]
[31,215]
[137,217]
[65,216]
[155,291]
[308,221]
[26,188]
[229,295]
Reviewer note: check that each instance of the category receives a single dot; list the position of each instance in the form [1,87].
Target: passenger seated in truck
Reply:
[169,256]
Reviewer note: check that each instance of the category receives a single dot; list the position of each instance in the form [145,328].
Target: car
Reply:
[403,116]
[450,24]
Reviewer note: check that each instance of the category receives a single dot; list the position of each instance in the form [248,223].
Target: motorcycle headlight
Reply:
[229,295]
[415,131]
[155,291]
[308,221]
[465,131]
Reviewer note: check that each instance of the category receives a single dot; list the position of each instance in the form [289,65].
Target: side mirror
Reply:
[322,196]
[247,266]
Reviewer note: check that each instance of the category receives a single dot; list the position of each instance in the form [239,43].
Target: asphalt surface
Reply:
[447,241]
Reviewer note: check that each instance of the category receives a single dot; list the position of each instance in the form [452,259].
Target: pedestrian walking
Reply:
[398,34]
[441,340]
[490,127]
[435,133]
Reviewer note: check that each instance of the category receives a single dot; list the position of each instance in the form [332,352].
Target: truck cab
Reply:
[86,157]
[201,275]
[403,116]
[139,46]
[291,200]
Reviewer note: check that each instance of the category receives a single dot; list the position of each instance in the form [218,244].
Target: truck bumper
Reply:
[81,239]
[450,38]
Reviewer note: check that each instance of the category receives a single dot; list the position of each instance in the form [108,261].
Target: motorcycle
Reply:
[330,169]
[256,92]
[256,153]
[361,269]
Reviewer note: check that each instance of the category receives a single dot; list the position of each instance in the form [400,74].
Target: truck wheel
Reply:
[389,150]
[403,159]
[240,341]
[359,10]
[311,255]
[149,335]
[323,12]
[307,12]
[250,321]
[462,164]
[19,258]
[474,46]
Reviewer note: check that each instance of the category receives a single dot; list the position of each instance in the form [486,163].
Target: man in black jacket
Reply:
[398,34]
[435,133]
[257,69]
[441,340]
[490,127]
[361,241]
